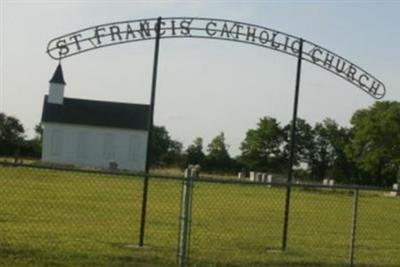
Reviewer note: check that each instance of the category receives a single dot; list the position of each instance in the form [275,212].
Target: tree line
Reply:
[367,152]
[13,141]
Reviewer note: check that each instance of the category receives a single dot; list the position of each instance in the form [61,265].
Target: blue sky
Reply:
[204,86]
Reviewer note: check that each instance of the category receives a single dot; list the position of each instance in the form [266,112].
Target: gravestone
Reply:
[253,176]
[396,187]
[269,179]
[325,181]
[264,178]
[331,182]
[259,177]
[242,174]
[396,190]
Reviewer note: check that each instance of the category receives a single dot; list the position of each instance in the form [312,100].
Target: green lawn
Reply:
[59,218]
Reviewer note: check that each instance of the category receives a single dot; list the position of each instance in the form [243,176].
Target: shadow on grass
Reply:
[24,256]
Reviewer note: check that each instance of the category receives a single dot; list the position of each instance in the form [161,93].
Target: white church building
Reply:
[91,133]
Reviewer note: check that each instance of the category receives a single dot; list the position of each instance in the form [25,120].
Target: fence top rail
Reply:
[208,179]
[89,171]
[294,184]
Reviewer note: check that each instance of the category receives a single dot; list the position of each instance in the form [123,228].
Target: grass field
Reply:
[59,218]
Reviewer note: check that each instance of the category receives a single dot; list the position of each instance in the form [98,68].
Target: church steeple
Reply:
[58,76]
[56,87]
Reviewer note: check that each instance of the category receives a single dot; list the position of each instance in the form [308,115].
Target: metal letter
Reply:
[286,43]
[262,39]
[337,65]
[62,46]
[130,31]
[232,28]
[350,72]
[208,30]
[185,26]
[162,32]
[225,30]
[114,30]
[144,29]
[273,44]
[294,50]
[328,61]
[173,27]
[75,37]
[360,82]
[374,87]
[97,34]
[251,34]
[238,27]
[314,58]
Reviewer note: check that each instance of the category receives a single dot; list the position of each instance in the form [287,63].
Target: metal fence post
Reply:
[354,227]
[185,217]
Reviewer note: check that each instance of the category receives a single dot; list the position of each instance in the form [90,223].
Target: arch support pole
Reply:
[292,148]
[149,135]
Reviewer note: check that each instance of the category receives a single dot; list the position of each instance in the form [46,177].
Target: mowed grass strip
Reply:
[52,218]
[60,218]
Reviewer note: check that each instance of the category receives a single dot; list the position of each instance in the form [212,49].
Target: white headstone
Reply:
[269,179]
[396,187]
[395,191]
[325,182]
[264,178]
[331,182]
[253,176]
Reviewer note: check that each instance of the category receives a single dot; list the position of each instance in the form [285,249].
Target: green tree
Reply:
[261,148]
[376,142]
[174,154]
[303,150]
[164,150]
[194,153]
[39,131]
[11,135]
[32,148]
[159,144]
[218,158]
[328,157]
[322,158]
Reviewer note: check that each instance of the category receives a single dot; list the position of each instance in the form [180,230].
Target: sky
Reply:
[204,86]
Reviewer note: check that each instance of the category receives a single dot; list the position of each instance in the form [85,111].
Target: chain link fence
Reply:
[68,217]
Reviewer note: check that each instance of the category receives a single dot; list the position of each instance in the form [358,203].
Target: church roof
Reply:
[58,76]
[97,113]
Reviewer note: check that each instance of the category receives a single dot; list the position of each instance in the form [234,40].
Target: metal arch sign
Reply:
[192,27]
